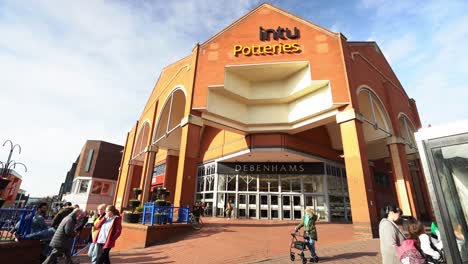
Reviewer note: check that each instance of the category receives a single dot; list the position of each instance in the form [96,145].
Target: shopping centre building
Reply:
[276,114]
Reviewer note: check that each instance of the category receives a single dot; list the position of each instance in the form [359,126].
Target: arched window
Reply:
[407,130]
[142,140]
[171,115]
[374,112]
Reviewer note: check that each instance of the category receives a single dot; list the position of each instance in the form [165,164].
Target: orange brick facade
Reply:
[215,106]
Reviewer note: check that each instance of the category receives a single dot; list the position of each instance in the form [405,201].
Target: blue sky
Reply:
[78,70]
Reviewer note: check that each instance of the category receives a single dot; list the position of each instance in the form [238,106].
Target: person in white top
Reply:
[110,228]
[423,241]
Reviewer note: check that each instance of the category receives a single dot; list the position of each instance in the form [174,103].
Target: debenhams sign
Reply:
[270,168]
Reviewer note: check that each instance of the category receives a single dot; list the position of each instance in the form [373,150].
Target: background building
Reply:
[67,185]
[21,198]
[276,114]
[95,175]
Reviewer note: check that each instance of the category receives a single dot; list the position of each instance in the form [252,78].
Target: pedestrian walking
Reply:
[229,209]
[310,231]
[93,252]
[390,235]
[110,228]
[62,241]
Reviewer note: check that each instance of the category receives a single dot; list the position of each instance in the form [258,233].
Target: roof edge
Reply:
[277,9]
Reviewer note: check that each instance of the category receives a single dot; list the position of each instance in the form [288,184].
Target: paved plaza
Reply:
[251,241]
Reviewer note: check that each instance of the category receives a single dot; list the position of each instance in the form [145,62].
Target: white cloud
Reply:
[79,70]
[401,48]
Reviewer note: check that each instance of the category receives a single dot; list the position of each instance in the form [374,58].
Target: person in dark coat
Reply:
[62,241]
[61,215]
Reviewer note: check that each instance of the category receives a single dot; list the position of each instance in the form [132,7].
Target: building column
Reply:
[187,168]
[147,175]
[127,192]
[170,177]
[401,174]
[360,186]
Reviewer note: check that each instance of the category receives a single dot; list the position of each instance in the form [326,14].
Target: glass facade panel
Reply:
[313,183]
[243,183]
[209,183]
[264,182]
[285,183]
[231,185]
[452,166]
[296,183]
[222,182]
[274,183]
[252,183]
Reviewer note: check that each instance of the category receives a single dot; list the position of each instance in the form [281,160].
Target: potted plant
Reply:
[132,217]
[137,191]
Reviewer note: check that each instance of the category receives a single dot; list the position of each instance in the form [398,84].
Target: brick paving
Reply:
[251,241]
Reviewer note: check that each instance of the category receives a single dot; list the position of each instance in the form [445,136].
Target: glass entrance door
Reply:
[286,202]
[274,207]
[297,208]
[264,206]
[252,205]
[242,210]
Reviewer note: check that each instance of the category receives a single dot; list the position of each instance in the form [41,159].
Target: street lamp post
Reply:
[10,164]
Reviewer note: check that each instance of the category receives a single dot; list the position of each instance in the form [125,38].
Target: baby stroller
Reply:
[298,247]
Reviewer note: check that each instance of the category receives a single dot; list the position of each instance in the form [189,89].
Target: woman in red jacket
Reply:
[110,228]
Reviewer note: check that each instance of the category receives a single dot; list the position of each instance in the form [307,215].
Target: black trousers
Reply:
[104,258]
[56,252]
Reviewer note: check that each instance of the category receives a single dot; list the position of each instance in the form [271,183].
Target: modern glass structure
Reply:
[444,153]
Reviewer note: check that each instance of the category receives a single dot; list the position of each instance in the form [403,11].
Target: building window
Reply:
[83,186]
[382,179]
[158,171]
[89,160]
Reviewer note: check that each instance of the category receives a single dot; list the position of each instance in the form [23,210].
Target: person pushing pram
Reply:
[310,231]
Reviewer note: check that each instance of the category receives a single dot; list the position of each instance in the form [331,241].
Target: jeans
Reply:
[94,252]
[45,234]
[311,245]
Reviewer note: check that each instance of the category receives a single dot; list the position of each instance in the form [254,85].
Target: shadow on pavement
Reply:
[141,259]
[348,256]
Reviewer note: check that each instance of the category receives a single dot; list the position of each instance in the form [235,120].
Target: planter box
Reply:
[131,218]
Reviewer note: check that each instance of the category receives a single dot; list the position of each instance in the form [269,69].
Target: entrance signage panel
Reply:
[270,168]
[266,35]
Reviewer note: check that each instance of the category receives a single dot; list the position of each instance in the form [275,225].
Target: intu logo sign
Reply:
[279,33]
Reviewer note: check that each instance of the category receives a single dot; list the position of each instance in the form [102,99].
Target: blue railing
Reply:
[153,214]
[15,221]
